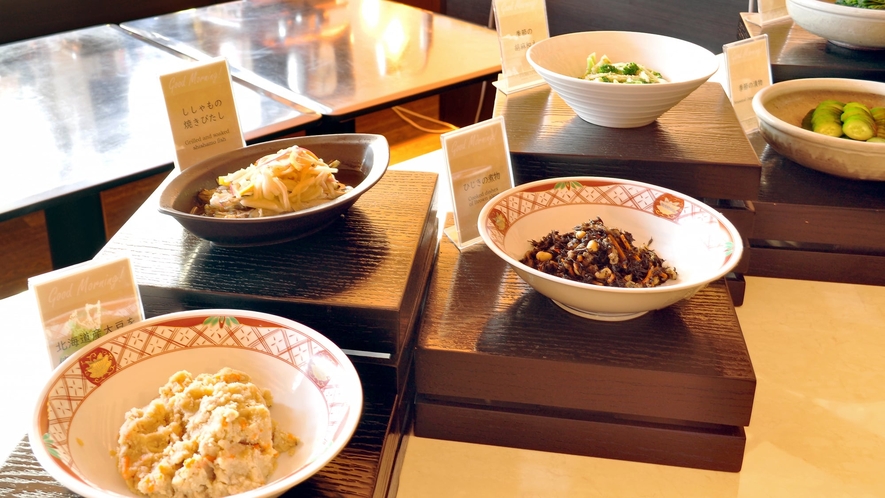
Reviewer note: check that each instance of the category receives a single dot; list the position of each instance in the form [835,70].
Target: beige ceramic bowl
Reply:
[691,236]
[781,107]
[849,27]
[562,61]
[316,391]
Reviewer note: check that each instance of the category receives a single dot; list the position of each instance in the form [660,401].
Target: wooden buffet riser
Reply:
[814,226]
[697,148]
[360,282]
[498,363]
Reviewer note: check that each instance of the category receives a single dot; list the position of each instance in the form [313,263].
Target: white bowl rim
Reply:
[279,486]
[833,8]
[679,286]
[834,84]
[712,59]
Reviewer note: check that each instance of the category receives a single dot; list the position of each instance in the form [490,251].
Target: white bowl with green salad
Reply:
[621,79]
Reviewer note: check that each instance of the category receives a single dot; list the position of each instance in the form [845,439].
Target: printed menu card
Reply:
[520,24]
[83,302]
[478,161]
[748,70]
[202,112]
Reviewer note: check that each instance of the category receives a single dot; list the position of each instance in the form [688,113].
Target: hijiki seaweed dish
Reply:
[596,254]
[290,180]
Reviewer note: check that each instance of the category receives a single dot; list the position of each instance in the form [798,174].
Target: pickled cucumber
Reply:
[878,114]
[826,118]
[852,120]
[858,122]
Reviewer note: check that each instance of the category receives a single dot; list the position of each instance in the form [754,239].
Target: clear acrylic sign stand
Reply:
[748,71]
[767,11]
[520,24]
[478,161]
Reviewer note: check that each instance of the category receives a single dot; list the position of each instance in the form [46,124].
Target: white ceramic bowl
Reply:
[691,236]
[849,27]
[317,393]
[562,61]
[781,107]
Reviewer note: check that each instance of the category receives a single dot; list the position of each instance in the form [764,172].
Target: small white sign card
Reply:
[478,162]
[202,112]
[520,24]
[767,11]
[83,302]
[748,70]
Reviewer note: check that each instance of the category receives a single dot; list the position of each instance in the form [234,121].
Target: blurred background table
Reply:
[796,53]
[340,59]
[85,137]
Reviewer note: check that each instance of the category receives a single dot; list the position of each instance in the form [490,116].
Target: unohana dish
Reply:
[596,254]
[207,436]
[606,71]
[289,180]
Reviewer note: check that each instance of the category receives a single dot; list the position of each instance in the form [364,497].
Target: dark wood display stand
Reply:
[360,282]
[498,363]
[814,226]
[697,148]
[795,53]
[810,225]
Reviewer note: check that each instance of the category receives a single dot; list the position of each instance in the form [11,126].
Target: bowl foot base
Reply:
[605,317]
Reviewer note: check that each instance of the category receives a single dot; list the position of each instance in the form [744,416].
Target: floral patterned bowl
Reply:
[689,235]
[316,391]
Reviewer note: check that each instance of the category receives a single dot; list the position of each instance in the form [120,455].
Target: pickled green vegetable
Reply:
[858,122]
[826,118]
[878,114]
[853,120]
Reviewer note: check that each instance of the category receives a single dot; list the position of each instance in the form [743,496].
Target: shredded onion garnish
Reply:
[289,180]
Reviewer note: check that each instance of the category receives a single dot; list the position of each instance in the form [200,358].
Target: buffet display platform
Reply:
[810,225]
[814,226]
[498,363]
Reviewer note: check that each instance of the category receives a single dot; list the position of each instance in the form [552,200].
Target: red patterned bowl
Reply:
[316,391]
[689,235]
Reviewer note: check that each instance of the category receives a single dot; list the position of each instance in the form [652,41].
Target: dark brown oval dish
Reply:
[363,160]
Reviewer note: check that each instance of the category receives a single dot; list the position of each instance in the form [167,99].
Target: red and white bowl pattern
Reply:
[317,393]
[693,237]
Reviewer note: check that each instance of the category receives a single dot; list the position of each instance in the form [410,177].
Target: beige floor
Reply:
[817,430]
